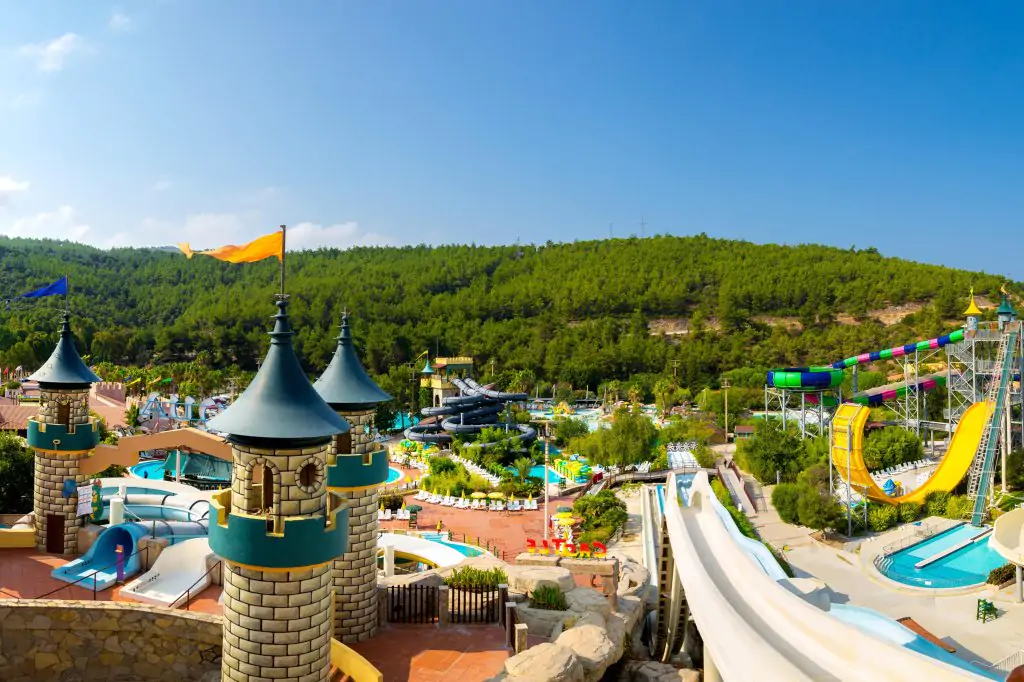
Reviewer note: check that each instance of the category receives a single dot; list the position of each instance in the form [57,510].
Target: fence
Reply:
[474,605]
[1005,665]
[91,579]
[412,604]
[920,534]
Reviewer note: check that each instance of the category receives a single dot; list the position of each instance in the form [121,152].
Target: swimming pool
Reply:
[969,565]
[155,468]
[537,471]
[467,550]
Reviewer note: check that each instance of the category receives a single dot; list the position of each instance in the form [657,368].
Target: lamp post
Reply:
[725,387]
[547,443]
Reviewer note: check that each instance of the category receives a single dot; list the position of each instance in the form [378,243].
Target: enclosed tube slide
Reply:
[477,408]
[830,376]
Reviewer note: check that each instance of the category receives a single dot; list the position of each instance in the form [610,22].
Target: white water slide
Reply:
[180,568]
[756,627]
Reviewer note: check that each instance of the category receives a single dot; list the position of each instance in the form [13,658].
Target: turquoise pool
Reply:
[969,565]
[537,471]
[155,468]
[467,550]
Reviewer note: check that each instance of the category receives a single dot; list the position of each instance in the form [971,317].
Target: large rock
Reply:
[583,599]
[526,579]
[652,671]
[592,647]
[545,663]
[633,578]
[542,622]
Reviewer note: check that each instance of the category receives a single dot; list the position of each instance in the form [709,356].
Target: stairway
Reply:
[981,468]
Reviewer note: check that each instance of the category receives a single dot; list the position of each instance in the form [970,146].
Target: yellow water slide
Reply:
[848,452]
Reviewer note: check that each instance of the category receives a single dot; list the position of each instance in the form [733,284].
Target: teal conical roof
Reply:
[1005,308]
[280,403]
[427,369]
[345,384]
[65,366]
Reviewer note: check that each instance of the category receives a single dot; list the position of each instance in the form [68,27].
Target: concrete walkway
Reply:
[631,543]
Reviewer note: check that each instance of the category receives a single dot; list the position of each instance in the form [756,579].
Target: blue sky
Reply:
[868,123]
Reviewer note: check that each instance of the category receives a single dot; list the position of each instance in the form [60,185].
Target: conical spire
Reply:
[280,403]
[345,384]
[972,310]
[65,365]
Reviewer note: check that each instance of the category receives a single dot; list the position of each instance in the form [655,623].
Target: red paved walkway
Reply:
[26,573]
[506,531]
[426,653]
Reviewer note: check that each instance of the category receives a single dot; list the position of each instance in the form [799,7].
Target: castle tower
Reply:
[278,528]
[62,435]
[973,312]
[1005,312]
[355,472]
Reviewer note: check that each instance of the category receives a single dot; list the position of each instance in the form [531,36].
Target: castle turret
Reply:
[278,528]
[972,313]
[355,472]
[1005,312]
[62,435]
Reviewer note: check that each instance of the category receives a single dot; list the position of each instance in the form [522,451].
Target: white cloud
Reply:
[339,236]
[161,186]
[63,223]
[50,55]
[9,187]
[119,23]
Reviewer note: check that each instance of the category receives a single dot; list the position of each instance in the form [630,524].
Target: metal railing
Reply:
[94,576]
[920,534]
[1005,665]
[188,593]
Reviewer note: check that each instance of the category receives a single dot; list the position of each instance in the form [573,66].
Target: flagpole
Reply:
[283,237]
[67,293]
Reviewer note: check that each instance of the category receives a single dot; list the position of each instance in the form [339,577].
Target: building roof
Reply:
[743,428]
[65,365]
[280,403]
[1005,308]
[427,369]
[345,382]
[972,310]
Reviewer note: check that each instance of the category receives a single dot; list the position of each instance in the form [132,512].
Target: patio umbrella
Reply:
[564,509]
[496,496]
[478,495]
[414,508]
[511,497]
[564,515]
[565,522]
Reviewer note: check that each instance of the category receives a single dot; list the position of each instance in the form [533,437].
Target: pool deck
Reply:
[951,618]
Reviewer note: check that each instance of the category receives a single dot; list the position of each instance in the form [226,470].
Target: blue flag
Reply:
[58,288]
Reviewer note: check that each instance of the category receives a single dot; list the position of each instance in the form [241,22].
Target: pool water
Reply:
[537,471]
[467,550]
[155,468]
[967,566]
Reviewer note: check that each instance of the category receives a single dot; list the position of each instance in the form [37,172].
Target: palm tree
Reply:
[664,392]
[634,394]
[522,466]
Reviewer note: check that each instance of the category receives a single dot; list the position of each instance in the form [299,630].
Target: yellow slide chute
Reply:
[848,453]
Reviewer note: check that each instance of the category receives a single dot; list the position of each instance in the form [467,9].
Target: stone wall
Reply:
[114,390]
[47,497]
[277,624]
[355,572]
[69,641]
[290,497]
[50,401]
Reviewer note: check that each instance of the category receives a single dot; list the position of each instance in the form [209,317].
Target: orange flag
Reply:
[267,246]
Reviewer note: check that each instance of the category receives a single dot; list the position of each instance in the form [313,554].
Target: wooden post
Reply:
[502,599]
[443,614]
[510,619]
[522,632]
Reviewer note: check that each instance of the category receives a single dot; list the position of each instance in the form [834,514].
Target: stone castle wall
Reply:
[55,641]
[52,470]
[355,572]
[290,496]
[277,624]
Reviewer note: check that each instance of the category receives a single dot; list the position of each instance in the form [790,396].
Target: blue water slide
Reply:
[494,395]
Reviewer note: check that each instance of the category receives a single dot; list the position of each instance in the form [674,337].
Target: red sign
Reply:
[560,547]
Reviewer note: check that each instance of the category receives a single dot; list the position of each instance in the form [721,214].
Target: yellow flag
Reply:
[267,246]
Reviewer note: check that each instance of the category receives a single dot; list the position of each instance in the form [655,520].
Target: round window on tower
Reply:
[310,476]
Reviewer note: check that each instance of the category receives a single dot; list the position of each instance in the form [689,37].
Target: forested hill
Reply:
[577,312]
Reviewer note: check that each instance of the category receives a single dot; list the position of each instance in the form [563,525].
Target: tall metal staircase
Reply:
[981,468]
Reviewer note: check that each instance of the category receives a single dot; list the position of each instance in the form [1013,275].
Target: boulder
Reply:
[633,578]
[541,622]
[545,663]
[592,647]
[652,671]
[525,579]
[583,599]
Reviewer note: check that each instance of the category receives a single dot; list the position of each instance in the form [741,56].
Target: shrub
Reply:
[1002,574]
[739,518]
[783,562]
[935,503]
[468,576]
[785,499]
[910,511]
[818,510]
[705,456]
[957,507]
[442,465]
[882,517]
[392,501]
[548,598]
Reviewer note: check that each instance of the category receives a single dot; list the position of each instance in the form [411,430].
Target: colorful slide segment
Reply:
[848,452]
[900,351]
[477,408]
[876,396]
[831,376]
